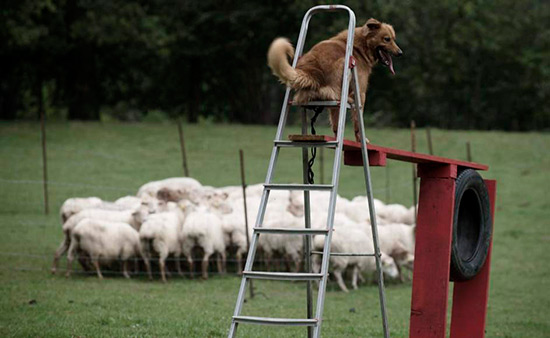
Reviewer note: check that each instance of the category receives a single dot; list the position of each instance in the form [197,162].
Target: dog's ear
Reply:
[371,25]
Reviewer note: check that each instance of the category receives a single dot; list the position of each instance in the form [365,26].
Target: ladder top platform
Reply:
[352,156]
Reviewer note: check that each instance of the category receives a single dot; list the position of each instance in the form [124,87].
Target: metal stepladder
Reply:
[313,323]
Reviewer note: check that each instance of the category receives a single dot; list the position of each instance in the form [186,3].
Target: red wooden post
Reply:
[433,251]
[470,297]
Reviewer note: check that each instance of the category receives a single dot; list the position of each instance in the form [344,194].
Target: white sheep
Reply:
[397,213]
[351,239]
[290,247]
[203,228]
[129,202]
[235,236]
[177,184]
[319,202]
[398,241]
[161,234]
[104,241]
[75,205]
[378,204]
[126,216]
[234,226]
[232,191]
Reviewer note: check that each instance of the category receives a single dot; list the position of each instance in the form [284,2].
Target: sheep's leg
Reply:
[316,266]
[85,262]
[178,264]
[147,266]
[276,264]
[361,278]
[125,269]
[95,263]
[63,247]
[340,280]
[400,272]
[191,268]
[162,269]
[205,265]
[267,260]
[297,264]
[239,257]
[136,265]
[219,263]
[145,255]
[354,277]
[70,258]
[287,262]
[163,254]
[69,265]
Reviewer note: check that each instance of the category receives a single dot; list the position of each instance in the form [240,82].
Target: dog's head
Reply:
[380,40]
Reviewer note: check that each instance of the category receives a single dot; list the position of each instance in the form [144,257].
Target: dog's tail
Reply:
[277,60]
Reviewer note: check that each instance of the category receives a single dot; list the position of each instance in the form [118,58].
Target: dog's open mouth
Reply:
[385,58]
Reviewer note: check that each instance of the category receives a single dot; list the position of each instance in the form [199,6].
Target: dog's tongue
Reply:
[391,65]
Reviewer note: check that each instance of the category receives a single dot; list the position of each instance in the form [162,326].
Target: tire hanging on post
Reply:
[472,226]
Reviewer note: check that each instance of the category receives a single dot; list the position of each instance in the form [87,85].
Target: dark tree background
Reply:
[467,64]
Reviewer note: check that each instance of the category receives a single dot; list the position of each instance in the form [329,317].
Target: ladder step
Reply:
[305,144]
[291,231]
[298,186]
[282,275]
[307,138]
[345,254]
[276,321]
[313,104]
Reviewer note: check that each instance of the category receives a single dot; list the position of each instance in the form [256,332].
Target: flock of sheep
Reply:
[171,217]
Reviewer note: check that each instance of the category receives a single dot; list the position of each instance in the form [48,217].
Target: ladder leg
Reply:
[307,217]
[333,195]
[364,152]
[261,213]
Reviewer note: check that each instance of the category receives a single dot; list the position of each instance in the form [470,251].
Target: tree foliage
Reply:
[467,64]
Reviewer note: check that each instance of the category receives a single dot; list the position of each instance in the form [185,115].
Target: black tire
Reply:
[472,226]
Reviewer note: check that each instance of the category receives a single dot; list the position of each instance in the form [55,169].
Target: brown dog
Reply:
[318,74]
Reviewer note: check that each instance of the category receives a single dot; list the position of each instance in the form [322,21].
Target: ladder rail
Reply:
[307,220]
[372,212]
[263,203]
[336,168]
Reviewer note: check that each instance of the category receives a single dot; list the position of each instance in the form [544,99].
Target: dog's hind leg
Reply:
[334,113]
[355,119]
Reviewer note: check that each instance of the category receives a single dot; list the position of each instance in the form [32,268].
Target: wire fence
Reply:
[231,264]
[69,184]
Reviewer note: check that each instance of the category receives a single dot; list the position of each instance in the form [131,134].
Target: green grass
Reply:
[112,160]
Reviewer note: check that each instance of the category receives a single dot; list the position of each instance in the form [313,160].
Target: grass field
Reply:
[111,160]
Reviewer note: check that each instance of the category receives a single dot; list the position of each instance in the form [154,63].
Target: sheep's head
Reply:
[140,214]
[402,256]
[169,195]
[187,206]
[215,200]
[388,266]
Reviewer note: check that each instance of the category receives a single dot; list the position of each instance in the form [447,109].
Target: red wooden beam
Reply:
[352,156]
